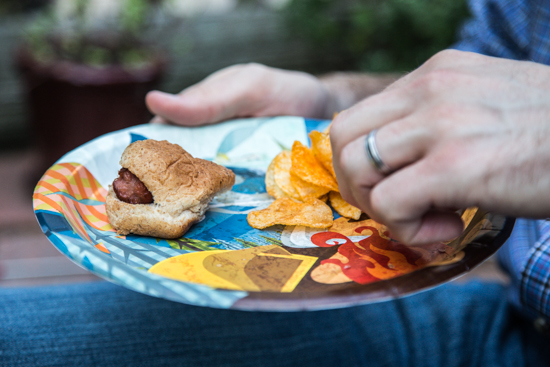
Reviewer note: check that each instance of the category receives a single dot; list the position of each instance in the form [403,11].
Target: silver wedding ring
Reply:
[374,156]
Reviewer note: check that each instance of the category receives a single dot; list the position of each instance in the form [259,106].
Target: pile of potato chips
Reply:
[302,181]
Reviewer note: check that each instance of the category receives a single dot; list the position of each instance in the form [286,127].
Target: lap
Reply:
[101,324]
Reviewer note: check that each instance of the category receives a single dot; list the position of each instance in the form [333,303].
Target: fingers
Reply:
[355,123]
[249,90]
[403,201]
[368,115]
[356,174]
[399,144]
[228,93]
[434,226]
[173,107]
[198,105]
[412,202]
[439,129]
[188,108]
[403,142]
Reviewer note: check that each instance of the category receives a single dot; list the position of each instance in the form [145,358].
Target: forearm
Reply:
[348,88]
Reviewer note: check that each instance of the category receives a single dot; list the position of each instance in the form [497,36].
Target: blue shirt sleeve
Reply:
[498,28]
[519,30]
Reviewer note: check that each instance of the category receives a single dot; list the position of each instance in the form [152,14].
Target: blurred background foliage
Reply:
[202,36]
[21,6]
[98,33]
[367,35]
[377,35]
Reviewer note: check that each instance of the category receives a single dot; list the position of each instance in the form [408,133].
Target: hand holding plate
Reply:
[249,90]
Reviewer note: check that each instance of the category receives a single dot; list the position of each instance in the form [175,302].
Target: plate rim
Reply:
[272,301]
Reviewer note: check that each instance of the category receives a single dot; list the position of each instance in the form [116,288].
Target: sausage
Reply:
[130,189]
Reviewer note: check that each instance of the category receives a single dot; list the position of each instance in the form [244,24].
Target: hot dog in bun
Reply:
[162,190]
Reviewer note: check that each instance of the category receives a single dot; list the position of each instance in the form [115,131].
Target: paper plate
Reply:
[222,262]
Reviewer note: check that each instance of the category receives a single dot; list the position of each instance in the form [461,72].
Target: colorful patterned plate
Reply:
[222,262]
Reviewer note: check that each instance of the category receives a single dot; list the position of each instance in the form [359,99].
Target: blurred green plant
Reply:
[75,31]
[377,35]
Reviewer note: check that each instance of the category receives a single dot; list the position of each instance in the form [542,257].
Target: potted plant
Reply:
[87,66]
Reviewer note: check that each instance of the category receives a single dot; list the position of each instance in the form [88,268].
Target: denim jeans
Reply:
[101,324]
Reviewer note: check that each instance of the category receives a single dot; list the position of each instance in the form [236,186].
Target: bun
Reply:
[182,187]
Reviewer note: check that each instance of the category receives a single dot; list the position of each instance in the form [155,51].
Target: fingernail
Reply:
[164,94]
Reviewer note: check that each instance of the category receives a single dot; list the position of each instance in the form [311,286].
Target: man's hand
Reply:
[462,130]
[244,91]
[253,90]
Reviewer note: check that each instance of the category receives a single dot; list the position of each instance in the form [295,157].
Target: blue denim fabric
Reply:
[102,324]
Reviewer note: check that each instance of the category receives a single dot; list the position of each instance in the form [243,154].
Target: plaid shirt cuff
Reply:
[535,277]
[526,258]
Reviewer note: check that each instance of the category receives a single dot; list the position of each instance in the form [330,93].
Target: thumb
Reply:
[182,109]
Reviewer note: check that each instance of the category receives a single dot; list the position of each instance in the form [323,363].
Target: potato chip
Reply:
[281,174]
[314,213]
[309,169]
[322,150]
[342,207]
[305,189]
[270,184]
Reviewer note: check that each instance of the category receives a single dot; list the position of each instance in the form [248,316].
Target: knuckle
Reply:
[252,95]
[427,84]
[384,207]
[346,156]
[247,71]
[445,56]
[229,70]
[257,83]
[444,164]
[337,127]
[353,177]
[436,82]
[379,206]
[254,68]
[443,114]
[382,213]
[450,57]
[433,62]
[212,113]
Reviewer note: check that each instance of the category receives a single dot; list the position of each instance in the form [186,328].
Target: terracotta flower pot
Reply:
[72,103]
